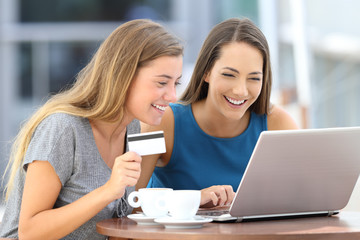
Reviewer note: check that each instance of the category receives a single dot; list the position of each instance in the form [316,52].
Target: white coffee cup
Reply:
[151,201]
[183,204]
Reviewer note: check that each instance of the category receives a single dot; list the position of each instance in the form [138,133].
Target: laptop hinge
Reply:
[330,213]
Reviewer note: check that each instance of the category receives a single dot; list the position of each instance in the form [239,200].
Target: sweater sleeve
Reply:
[53,141]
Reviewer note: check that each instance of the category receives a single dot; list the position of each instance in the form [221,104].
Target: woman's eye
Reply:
[227,74]
[256,79]
[162,83]
[177,83]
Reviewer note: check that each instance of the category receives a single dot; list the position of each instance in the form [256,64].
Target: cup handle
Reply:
[131,198]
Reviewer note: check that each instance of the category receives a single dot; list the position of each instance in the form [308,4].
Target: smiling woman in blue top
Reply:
[211,132]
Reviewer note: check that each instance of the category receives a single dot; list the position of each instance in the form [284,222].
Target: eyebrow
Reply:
[166,76]
[234,70]
[252,73]
[231,69]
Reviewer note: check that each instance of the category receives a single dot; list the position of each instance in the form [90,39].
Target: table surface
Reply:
[345,225]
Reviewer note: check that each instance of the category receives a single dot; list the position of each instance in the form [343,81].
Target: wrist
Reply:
[107,193]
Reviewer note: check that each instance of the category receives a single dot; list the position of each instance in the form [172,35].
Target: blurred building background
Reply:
[315,50]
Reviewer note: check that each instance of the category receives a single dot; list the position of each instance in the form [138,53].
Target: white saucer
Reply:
[196,222]
[141,219]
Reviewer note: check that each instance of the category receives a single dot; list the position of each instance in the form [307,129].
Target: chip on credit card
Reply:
[147,143]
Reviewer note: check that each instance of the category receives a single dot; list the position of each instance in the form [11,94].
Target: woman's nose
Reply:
[240,88]
[170,95]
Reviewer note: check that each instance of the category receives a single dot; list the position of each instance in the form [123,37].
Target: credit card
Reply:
[147,143]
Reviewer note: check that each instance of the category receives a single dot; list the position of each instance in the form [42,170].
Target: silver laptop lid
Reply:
[299,171]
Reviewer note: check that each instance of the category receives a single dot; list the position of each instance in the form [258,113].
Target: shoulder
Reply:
[178,108]
[55,137]
[279,119]
[62,125]
[61,122]
[63,119]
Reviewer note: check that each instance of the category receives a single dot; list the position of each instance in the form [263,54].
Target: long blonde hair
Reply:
[226,32]
[100,89]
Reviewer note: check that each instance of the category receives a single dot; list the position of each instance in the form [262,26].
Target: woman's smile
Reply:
[235,102]
[160,108]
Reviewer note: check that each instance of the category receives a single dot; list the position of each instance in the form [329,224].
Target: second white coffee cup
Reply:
[182,204]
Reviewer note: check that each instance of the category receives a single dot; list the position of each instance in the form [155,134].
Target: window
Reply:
[93,10]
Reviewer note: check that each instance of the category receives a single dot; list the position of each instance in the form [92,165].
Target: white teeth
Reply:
[158,107]
[236,102]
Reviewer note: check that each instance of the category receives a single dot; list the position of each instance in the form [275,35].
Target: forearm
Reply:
[59,222]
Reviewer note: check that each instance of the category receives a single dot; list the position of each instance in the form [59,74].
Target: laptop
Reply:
[296,173]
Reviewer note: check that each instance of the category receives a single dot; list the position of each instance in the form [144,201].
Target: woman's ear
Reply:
[206,77]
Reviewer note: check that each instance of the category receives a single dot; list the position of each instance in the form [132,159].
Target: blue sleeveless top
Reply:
[199,160]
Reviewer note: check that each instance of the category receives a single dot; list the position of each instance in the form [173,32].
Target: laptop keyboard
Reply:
[212,213]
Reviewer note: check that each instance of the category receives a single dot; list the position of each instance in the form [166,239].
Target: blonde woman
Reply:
[211,133]
[69,166]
